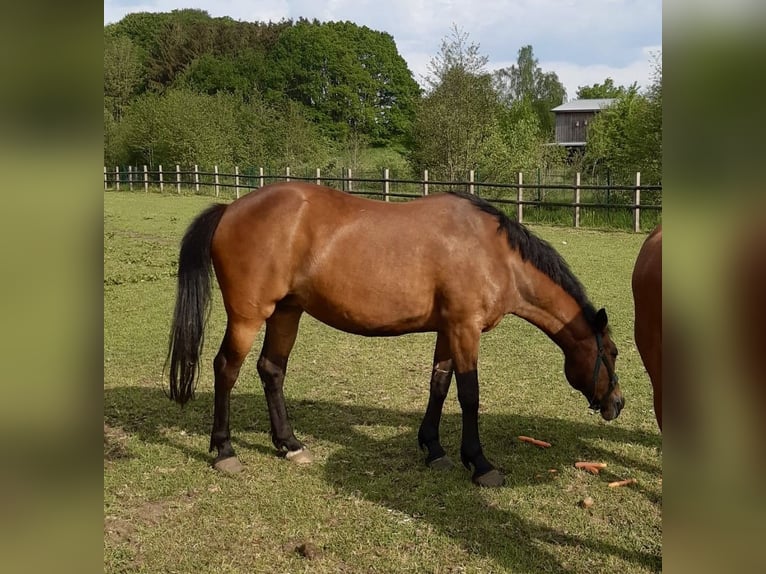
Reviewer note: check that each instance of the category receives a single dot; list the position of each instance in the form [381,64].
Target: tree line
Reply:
[183,87]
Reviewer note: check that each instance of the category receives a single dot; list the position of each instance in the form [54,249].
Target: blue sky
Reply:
[582,41]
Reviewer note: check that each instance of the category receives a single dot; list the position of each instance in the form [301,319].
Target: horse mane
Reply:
[539,253]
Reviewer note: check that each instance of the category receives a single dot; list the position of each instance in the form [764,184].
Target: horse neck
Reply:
[545,304]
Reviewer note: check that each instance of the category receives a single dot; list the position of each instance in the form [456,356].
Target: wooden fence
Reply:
[385,187]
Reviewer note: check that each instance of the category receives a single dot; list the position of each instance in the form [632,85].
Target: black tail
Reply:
[187,333]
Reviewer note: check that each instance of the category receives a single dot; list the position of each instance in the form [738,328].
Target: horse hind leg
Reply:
[428,435]
[281,331]
[234,348]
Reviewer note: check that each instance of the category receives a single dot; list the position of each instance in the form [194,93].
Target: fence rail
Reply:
[131,178]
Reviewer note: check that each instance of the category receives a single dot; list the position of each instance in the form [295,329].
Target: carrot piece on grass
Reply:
[581,464]
[534,441]
[625,482]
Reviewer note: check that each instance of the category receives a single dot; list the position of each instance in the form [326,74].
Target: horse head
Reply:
[590,370]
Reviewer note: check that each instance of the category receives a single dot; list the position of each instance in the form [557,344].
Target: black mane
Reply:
[539,253]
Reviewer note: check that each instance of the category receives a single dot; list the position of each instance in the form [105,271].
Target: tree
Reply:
[349,78]
[455,53]
[122,73]
[457,119]
[526,81]
[627,136]
[598,91]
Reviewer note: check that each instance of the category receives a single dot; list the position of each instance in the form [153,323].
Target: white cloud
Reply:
[573,76]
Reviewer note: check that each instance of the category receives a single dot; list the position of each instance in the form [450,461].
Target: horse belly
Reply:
[368,302]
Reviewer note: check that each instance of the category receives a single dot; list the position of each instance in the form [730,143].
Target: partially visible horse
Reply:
[647,298]
[447,263]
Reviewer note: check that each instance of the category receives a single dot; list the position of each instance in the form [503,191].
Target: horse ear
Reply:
[601,319]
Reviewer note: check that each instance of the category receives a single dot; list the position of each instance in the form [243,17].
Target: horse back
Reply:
[363,266]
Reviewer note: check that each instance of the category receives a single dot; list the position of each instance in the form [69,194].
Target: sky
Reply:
[583,42]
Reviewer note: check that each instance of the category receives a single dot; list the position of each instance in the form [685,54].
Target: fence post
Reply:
[105,179]
[130,177]
[636,204]
[236,179]
[470,182]
[319,176]
[519,199]
[349,187]
[287,173]
[146,180]
[425,182]
[215,170]
[178,179]
[162,185]
[386,187]
[577,200]
[196,178]
[260,177]
[117,177]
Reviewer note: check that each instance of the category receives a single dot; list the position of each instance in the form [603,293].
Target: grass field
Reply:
[368,503]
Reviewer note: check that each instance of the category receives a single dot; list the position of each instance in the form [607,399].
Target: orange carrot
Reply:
[596,465]
[591,467]
[622,482]
[534,441]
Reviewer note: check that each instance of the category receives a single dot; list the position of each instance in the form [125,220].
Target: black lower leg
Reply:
[428,435]
[471,453]
[220,437]
[272,373]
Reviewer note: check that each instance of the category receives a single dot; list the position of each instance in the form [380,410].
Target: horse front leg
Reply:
[464,345]
[428,435]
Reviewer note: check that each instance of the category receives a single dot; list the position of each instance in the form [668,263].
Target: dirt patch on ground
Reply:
[125,531]
[114,443]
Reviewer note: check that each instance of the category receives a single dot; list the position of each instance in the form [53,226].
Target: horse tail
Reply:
[187,333]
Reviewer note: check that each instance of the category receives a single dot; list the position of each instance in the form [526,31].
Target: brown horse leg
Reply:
[281,331]
[428,435]
[234,348]
[464,344]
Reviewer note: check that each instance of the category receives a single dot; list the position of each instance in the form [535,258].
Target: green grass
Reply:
[368,503]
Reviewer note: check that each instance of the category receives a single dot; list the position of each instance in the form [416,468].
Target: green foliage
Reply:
[455,52]
[456,123]
[627,136]
[526,81]
[185,127]
[607,89]
[210,74]
[351,79]
[123,74]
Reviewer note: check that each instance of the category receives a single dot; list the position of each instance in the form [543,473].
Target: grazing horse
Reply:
[647,298]
[446,263]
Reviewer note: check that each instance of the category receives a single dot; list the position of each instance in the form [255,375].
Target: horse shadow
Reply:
[380,470]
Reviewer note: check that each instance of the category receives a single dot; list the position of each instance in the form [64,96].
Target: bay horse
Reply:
[646,283]
[447,263]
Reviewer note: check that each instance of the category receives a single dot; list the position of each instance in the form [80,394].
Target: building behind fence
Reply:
[542,199]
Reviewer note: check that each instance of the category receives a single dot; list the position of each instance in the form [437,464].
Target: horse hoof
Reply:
[229,465]
[441,463]
[302,456]
[491,479]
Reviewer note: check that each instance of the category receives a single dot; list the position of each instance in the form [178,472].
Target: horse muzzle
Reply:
[610,409]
